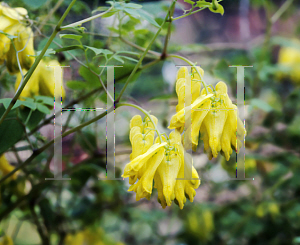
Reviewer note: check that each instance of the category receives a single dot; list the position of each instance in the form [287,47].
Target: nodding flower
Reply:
[17,36]
[161,162]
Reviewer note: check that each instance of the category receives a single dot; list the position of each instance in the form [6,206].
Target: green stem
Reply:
[281,10]
[144,54]
[78,23]
[147,114]
[190,13]
[35,64]
[193,65]
[171,12]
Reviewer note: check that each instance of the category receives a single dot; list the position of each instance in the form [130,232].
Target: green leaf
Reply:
[34,4]
[189,1]
[296,239]
[71,36]
[118,58]
[100,9]
[69,48]
[202,4]
[219,10]
[110,13]
[129,58]
[35,118]
[133,5]
[146,16]
[8,35]
[98,51]
[42,108]
[11,131]
[127,52]
[6,102]
[76,85]
[261,105]
[91,79]
[29,104]
[132,12]
[47,53]
[45,100]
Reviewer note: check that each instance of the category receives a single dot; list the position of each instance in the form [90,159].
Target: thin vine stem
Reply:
[193,65]
[145,53]
[147,114]
[78,23]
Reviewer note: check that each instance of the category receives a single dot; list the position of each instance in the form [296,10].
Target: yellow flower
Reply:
[182,76]
[149,162]
[6,168]
[76,239]
[215,118]
[265,208]
[200,224]
[41,81]
[177,120]
[11,22]
[6,240]
[161,162]
[289,57]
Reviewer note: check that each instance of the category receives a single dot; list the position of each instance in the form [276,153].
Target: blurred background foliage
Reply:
[86,210]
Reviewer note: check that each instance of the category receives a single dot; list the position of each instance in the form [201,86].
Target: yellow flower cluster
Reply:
[12,22]
[162,162]
[212,114]
[42,80]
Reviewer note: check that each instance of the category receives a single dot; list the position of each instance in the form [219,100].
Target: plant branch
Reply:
[79,23]
[281,10]
[144,54]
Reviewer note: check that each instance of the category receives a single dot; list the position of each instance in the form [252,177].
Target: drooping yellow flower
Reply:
[177,121]
[222,128]
[162,162]
[6,240]
[215,117]
[42,80]
[12,22]
[182,76]
[6,168]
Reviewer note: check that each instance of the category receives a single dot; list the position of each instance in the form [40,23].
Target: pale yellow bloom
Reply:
[162,163]
[214,116]
[6,168]
[41,81]
[12,22]
[289,57]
